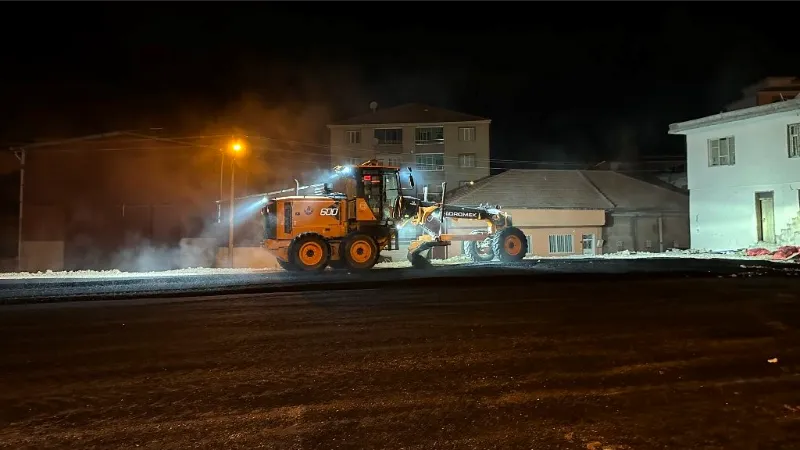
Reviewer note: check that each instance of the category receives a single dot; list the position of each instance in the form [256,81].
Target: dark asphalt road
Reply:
[494,362]
[53,289]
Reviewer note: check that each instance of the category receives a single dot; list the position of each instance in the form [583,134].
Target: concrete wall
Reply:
[40,256]
[722,219]
[640,233]
[722,198]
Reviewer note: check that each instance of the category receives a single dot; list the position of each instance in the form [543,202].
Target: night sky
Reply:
[561,81]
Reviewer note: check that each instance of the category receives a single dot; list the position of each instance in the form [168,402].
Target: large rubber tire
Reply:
[309,253]
[472,251]
[287,266]
[359,251]
[510,244]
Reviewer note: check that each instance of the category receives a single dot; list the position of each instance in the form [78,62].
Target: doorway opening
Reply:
[765,217]
[588,244]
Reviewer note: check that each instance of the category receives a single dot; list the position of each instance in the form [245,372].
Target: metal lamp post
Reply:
[236,147]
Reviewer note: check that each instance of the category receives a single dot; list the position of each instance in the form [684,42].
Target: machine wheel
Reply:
[287,266]
[359,251]
[510,244]
[309,253]
[479,251]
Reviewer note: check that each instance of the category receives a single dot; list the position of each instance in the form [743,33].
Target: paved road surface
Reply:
[58,289]
[514,362]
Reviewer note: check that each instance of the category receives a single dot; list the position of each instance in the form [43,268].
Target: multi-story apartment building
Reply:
[744,176]
[438,144]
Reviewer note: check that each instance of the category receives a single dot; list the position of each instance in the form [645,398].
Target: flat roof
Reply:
[735,116]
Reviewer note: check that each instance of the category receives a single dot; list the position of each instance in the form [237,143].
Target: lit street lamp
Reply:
[236,148]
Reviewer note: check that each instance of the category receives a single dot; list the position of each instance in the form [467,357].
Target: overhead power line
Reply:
[190,142]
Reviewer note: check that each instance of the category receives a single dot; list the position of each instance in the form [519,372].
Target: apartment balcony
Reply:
[429,146]
[389,146]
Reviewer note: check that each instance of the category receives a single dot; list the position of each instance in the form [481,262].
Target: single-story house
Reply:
[568,212]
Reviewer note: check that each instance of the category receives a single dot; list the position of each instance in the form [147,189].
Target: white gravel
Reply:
[694,254]
[121,274]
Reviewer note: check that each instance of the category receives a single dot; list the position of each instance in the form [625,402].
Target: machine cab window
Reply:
[378,186]
[345,184]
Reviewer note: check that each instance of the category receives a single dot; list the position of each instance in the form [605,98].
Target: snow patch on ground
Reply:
[694,254]
[120,274]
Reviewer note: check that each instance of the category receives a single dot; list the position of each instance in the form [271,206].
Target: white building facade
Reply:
[743,170]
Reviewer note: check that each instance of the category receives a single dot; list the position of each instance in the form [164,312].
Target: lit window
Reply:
[429,161]
[721,152]
[560,243]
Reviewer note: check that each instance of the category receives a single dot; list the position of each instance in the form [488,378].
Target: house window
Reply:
[430,161]
[430,135]
[793,132]
[466,160]
[466,134]
[721,152]
[353,136]
[561,243]
[389,136]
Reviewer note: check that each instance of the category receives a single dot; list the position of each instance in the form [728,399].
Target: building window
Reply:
[430,135]
[561,243]
[389,136]
[466,134]
[393,162]
[793,132]
[430,161]
[721,152]
[466,160]
[433,194]
[390,161]
[353,136]
[352,161]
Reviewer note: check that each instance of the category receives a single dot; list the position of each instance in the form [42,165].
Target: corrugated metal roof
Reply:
[570,189]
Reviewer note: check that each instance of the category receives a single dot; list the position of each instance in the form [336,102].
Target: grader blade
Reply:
[418,261]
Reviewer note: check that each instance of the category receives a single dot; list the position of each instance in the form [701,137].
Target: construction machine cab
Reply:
[377,184]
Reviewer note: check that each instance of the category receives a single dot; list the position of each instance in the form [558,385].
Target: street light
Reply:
[236,148]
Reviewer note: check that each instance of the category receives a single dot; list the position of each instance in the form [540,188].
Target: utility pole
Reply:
[221,171]
[230,216]
[20,154]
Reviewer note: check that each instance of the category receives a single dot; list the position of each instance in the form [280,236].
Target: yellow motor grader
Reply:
[350,220]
